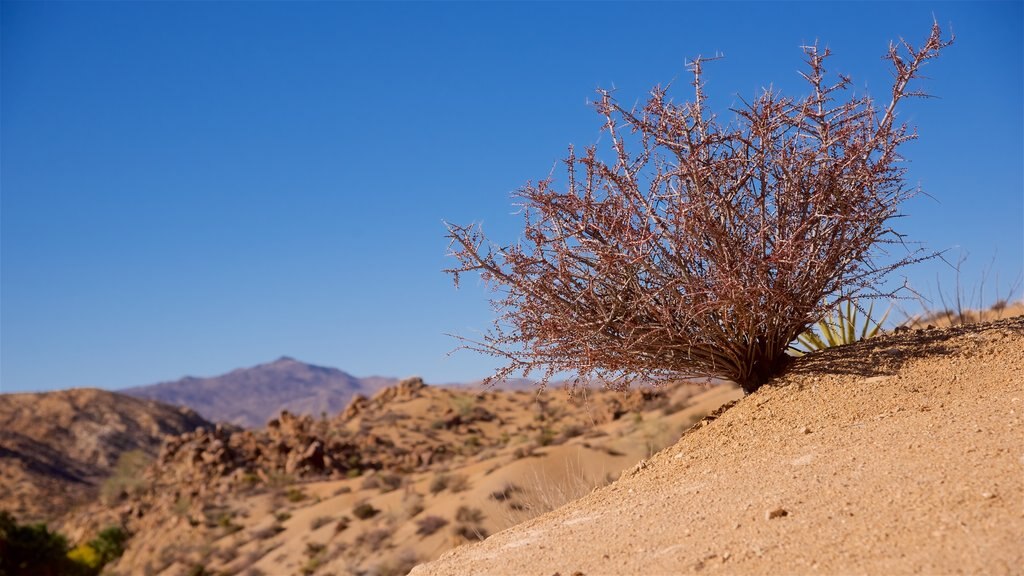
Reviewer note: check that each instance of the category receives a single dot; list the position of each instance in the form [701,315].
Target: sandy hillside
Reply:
[904,454]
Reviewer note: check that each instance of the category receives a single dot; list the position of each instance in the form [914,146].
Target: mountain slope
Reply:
[901,454]
[251,396]
[56,447]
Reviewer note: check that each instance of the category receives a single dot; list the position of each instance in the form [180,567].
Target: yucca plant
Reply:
[843,328]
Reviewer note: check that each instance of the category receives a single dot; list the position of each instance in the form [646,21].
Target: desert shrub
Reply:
[696,248]
[382,482]
[342,524]
[374,539]
[439,483]
[546,437]
[454,482]
[282,516]
[319,522]
[295,495]
[429,524]
[469,515]
[110,543]
[412,505]
[523,451]
[364,511]
[34,549]
[505,493]
[127,479]
[470,531]
[572,431]
[268,532]
[399,565]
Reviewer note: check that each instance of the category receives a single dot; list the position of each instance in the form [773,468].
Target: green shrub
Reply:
[33,549]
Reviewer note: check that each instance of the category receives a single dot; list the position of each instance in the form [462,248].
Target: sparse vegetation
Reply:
[429,524]
[469,515]
[364,511]
[127,479]
[842,328]
[453,482]
[373,540]
[295,495]
[385,482]
[319,522]
[505,493]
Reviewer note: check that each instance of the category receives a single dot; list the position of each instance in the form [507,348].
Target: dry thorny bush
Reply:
[701,248]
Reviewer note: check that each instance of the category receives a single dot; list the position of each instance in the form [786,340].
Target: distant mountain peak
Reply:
[251,396]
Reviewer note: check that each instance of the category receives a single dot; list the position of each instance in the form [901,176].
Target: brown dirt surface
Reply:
[902,454]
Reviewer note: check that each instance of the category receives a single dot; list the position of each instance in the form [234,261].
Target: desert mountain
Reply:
[901,454]
[250,397]
[57,447]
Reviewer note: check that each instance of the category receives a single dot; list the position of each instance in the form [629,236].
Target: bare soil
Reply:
[902,454]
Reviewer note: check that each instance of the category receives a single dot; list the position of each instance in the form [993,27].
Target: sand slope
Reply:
[904,454]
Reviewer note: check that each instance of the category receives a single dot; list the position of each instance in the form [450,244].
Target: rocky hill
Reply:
[394,479]
[250,397]
[56,448]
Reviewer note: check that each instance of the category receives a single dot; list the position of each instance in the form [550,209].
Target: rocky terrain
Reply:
[899,454]
[250,397]
[392,480]
[57,448]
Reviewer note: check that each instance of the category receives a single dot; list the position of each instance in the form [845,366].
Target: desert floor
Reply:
[902,454]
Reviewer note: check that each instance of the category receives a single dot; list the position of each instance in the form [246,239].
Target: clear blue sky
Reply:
[193,187]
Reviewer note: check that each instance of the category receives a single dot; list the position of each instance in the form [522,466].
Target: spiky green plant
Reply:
[843,328]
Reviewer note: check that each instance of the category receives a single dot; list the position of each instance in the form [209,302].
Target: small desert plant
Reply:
[843,328]
[282,516]
[469,515]
[268,532]
[383,482]
[342,524]
[693,248]
[429,524]
[412,505]
[470,531]
[127,478]
[319,522]
[374,539]
[295,495]
[505,493]
[439,483]
[399,565]
[364,511]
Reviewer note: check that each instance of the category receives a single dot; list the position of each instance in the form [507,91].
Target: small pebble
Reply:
[806,429]
[776,513]
[988,495]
